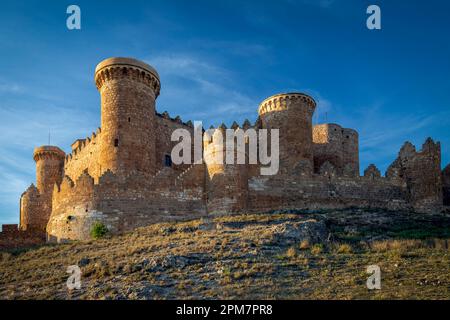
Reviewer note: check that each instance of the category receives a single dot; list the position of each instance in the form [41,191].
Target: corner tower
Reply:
[36,202]
[49,168]
[291,113]
[128,90]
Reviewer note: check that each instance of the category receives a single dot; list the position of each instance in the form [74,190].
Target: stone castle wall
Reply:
[421,172]
[84,157]
[86,152]
[123,176]
[338,146]
[325,191]
[123,203]
[13,238]
[165,125]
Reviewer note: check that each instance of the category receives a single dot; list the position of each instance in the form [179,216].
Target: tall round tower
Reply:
[49,168]
[291,113]
[37,204]
[128,90]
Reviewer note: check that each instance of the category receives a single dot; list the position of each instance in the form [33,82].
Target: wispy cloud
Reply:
[8,87]
[26,117]
[382,133]
[206,91]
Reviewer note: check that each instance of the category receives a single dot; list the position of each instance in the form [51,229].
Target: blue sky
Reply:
[219,59]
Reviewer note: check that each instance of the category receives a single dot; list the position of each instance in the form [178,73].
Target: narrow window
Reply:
[129,119]
[116,142]
[167,161]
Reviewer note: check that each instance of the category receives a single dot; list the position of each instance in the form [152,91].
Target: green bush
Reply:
[98,230]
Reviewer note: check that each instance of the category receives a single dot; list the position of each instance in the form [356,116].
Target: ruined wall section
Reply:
[446,185]
[338,146]
[84,157]
[32,209]
[421,171]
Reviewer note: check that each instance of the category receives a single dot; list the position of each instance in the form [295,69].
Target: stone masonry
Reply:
[122,175]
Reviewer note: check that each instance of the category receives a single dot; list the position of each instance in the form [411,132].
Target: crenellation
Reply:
[372,172]
[123,176]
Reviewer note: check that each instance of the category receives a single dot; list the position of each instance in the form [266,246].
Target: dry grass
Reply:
[344,248]
[409,244]
[237,260]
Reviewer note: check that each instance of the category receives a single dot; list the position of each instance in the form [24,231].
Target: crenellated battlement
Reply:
[283,101]
[79,145]
[124,176]
[165,115]
[48,152]
[127,69]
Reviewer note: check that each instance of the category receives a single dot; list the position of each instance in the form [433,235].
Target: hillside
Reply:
[267,256]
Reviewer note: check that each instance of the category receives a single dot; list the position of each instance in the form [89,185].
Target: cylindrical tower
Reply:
[226,183]
[128,90]
[291,113]
[49,168]
[36,207]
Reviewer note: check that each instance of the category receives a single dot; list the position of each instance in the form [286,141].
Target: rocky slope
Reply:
[286,255]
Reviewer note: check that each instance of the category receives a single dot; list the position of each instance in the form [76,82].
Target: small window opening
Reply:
[167,161]
[129,119]
[116,142]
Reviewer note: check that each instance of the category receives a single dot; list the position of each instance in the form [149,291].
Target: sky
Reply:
[217,61]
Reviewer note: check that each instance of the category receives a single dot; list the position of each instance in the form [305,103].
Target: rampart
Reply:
[13,238]
[123,174]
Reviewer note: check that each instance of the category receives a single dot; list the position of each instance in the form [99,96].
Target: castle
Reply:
[123,175]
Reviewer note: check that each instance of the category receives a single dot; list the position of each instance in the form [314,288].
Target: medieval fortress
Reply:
[123,175]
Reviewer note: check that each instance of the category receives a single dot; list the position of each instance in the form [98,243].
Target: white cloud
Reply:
[25,120]
[8,87]
[206,90]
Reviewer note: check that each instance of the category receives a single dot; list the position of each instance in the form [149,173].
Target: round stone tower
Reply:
[128,90]
[49,168]
[226,183]
[36,205]
[291,113]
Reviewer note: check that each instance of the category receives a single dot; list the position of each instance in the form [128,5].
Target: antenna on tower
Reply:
[49,137]
[326,117]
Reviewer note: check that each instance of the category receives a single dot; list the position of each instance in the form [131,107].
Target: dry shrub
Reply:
[291,253]
[5,256]
[344,248]
[317,248]
[304,245]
